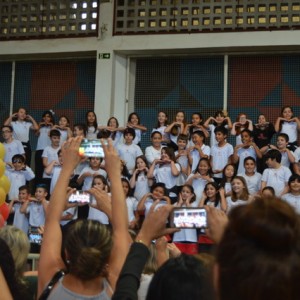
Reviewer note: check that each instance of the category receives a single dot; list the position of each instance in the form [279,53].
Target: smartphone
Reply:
[34,236]
[188,217]
[80,197]
[91,148]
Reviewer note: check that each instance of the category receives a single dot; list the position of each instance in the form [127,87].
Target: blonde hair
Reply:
[19,246]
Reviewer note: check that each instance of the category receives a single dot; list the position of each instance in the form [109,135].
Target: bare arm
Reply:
[121,238]
[50,257]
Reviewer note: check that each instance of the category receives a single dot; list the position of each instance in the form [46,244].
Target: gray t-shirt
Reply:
[62,293]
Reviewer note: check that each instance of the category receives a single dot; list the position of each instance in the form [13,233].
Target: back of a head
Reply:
[19,246]
[184,277]
[259,254]
[17,288]
[88,245]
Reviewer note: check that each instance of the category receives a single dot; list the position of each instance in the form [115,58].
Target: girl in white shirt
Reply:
[91,124]
[162,123]
[134,122]
[288,124]
[186,239]
[293,197]
[43,141]
[64,128]
[139,179]
[131,203]
[240,194]
[22,123]
[94,213]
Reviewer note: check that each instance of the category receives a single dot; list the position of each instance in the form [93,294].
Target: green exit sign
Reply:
[104,55]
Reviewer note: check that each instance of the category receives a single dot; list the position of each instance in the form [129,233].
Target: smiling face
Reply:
[91,117]
[295,186]
[237,186]
[158,193]
[196,119]
[262,119]
[95,162]
[156,140]
[203,167]
[180,117]
[162,118]
[40,193]
[281,142]
[63,122]
[249,166]
[287,113]
[113,122]
[141,165]
[210,191]
[134,119]
[246,138]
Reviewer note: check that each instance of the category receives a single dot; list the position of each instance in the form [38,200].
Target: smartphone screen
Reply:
[188,217]
[80,197]
[91,148]
[35,238]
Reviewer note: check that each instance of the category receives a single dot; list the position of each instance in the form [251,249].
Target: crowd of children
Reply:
[187,165]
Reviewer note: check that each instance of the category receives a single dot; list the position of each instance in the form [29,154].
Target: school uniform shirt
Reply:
[220,157]
[165,135]
[149,202]
[211,128]
[163,173]
[70,211]
[131,204]
[96,214]
[253,182]
[285,159]
[51,154]
[20,220]
[242,154]
[138,136]
[63,135]
[55,174]
[43,139]
[196,156]
[17,179]
[297,154]
[129,153]
[92,133]
[141,186]
[11,149]
[277,178]
[290,128]
[21,130]
[36,214]
[293,200]
[232,204]
[87,182]
[198,185]
[151,153]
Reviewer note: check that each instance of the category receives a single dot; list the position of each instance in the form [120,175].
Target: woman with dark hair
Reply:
[93,257]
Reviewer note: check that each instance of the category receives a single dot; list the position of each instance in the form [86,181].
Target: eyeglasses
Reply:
[6,131]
